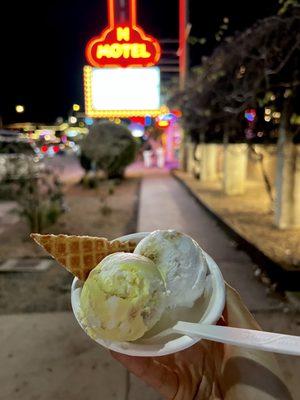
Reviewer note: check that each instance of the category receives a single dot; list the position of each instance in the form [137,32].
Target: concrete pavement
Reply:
[166,204]
[47,356]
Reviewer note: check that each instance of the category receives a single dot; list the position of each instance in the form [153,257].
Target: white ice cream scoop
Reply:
[181,263]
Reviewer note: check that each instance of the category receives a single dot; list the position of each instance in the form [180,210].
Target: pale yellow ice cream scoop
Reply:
[123,297]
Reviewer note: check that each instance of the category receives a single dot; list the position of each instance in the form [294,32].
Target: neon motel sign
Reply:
[121,79]
[123,45]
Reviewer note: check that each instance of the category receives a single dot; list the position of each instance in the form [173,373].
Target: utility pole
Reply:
[184,28]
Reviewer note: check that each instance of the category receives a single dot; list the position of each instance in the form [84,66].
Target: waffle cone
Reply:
[80,254]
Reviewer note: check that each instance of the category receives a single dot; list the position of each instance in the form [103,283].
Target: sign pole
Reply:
[124,11]
[183,50]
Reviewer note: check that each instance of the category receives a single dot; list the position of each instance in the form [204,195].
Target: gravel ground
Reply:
[250,215]
[50,290]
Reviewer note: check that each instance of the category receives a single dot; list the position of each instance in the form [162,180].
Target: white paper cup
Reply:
[207,310]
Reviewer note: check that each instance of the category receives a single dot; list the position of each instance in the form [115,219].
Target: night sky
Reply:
[43,45]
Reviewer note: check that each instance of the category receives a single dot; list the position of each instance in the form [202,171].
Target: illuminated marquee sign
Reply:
[123,45]
[122,92]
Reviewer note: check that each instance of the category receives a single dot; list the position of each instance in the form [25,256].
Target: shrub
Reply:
[14,168]
[109,147]
[39,199]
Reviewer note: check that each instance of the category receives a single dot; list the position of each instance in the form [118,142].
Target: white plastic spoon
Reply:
[252,339]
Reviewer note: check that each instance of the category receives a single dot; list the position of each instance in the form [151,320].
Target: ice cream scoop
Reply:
[181,263]
[123,297]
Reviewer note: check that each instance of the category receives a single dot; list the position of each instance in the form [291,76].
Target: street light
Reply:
[20,109]
[76,107]
[72,120]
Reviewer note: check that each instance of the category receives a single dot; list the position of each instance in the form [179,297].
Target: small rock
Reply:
[257,272]
[286,310]
[266,280]
[268,290]
[274,286]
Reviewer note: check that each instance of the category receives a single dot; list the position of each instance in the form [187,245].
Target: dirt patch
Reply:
[50,290]
[35,291]
[83,217]
[250,215]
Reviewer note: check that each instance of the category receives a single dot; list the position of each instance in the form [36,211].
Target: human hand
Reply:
[210,370]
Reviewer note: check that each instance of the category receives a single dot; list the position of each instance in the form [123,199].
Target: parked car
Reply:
[17,157]
[52,149]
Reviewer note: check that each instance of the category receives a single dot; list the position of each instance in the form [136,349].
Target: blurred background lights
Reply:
[165,120]
[137,133]
[88,121]
[148,120]
[137,130]
[242,69]
[178,113]
[276,114]
[163,124]
[72,120]
[71,133]
[20,108]
[268,111]
[76,107]
[250,115]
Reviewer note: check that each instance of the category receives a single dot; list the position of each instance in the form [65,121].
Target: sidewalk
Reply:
[47,356]
[165,204]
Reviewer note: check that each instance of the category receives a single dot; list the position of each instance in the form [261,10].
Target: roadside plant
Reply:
[40,199]
[108,147]
[108,191]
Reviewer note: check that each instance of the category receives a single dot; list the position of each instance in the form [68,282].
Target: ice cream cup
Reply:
[207,310]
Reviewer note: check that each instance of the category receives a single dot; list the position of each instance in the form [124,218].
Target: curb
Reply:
[286,280]
[131,226]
